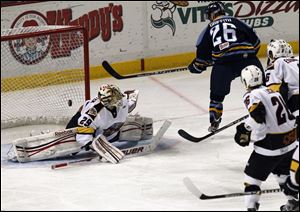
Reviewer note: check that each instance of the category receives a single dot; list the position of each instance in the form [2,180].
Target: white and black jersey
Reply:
[285,72]
[277,134]
[96,119]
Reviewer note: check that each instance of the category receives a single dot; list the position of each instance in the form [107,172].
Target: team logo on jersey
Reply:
[30,50]
[92,112]
[163,14]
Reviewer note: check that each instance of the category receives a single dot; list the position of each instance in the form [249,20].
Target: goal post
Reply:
[44,74]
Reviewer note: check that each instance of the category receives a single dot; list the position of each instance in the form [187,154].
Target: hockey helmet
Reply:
[214,10]
[110,95]
[289,50]
[279,48]
[252,77]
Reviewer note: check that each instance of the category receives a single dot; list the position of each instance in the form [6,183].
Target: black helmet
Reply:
[214,9]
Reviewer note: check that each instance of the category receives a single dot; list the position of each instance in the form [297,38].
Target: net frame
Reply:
[8,35]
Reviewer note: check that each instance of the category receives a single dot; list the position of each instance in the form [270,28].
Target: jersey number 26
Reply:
[229,33]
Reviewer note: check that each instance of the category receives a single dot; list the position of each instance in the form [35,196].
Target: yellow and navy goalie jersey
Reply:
[226,39]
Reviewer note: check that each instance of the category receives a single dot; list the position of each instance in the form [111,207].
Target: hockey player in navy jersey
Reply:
[229,45]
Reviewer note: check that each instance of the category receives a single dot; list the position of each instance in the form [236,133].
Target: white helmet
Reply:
[279,48]
[251,76]
[289,50]
[110,96]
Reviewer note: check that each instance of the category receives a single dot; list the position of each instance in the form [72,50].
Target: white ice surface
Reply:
[150,182]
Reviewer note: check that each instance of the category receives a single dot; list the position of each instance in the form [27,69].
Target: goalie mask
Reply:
[251,77]
[279,48]
[110,96]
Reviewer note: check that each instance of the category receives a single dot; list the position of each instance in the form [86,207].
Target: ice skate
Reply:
[215,120]
[255,207]
[214,125]
[291,205]
[215,114]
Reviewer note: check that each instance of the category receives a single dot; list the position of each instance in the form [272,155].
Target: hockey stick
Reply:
[189,137]
[129,152]
[113,72]
[60,165]
[196,192]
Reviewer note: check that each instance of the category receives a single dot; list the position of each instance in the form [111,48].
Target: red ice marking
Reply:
[180,95]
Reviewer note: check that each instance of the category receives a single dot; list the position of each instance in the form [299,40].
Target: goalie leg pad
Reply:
[45,146]
[136,128]
[106,150]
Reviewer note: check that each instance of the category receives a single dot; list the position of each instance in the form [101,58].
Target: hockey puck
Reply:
[70,102]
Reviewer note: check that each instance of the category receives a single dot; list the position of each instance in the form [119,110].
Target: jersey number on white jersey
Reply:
[282,112]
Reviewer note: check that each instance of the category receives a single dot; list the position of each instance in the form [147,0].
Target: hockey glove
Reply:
[242,135]
[196,67]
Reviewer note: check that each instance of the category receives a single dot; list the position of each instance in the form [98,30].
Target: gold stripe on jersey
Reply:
[234,49]
[253,107]
[215,110]
[291,133]
[294,165]
[85,130]
[275,87]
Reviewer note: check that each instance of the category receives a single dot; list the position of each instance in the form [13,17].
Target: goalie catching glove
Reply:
[242,135]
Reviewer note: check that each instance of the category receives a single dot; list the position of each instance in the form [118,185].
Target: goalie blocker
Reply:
[63,143]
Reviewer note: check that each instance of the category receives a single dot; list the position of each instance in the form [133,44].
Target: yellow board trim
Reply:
[41,80]
[124,68]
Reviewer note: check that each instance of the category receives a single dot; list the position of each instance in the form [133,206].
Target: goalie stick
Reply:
[115,74]
[196,192]
[129,152]
[189,137]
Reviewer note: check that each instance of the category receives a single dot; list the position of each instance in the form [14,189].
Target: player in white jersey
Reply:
[282,75]
[271,127]
[108,114]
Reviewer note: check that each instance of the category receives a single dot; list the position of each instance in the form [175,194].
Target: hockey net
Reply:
[44,74]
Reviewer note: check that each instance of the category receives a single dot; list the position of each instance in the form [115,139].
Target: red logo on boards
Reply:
[30,50]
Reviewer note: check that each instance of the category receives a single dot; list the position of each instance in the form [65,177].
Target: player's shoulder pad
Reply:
[94,110]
